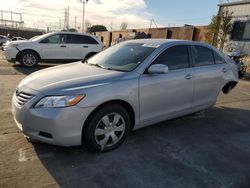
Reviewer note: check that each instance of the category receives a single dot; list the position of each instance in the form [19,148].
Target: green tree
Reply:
[225,27]
[96,28]
[124,25]
[219,28]
[214,28]
[72,30]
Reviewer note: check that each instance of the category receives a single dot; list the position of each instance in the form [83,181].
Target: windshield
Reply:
[122,57]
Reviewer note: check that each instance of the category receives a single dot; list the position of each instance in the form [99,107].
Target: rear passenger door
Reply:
[81,45]
[207,75]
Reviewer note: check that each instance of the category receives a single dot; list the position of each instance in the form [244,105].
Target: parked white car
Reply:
[17,38]
[53,47]
[3,39]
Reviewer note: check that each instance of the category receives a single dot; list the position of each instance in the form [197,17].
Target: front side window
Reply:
[218,59]
[122,57]
[174,57]
[54,39]
[202,56]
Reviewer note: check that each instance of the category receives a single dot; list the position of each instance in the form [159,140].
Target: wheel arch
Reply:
[25,50]
[228,86]
[90,54]
[123,103]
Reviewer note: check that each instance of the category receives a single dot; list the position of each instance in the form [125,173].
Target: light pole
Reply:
[83,12]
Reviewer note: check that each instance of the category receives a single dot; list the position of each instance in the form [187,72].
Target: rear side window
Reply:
[80,39]
[175,57]
[218,59]
[202,56]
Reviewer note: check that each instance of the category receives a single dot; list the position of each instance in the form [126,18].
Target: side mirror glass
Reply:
[158,69]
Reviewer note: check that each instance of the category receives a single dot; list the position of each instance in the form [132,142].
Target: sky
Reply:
[111,13]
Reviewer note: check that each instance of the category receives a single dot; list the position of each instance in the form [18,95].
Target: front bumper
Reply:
[10,53]
[57,126]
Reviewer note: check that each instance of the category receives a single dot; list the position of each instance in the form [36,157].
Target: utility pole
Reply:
[83,12]
[68,19]
[60,24]
[65,19]
[75,22]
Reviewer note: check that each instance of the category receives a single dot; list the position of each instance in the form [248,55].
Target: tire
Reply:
[28,59]
[101,133]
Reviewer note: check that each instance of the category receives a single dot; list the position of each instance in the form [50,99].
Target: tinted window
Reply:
[218,59]
[238,30]
[202,56]
[241,31]
[175,57]
[80,39]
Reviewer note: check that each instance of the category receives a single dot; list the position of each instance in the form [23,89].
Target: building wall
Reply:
[104,37]
[241,12]
[186,33]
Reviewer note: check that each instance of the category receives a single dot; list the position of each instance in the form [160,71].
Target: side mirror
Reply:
[158,69]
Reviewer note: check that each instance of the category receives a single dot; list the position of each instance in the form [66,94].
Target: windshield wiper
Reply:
[100,66]
[97,65]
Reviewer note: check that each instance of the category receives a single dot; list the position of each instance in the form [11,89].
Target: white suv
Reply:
[3,39]
[53,47]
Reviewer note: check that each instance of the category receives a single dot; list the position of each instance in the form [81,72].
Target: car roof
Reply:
[152,41]
[66,32]
[162,42]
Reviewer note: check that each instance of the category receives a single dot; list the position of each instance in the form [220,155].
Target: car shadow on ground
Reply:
[207,149]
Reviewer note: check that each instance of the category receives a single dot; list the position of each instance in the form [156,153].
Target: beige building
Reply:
[186,32]
[239,39]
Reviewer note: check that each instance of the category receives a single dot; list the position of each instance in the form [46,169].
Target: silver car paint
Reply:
[154,98]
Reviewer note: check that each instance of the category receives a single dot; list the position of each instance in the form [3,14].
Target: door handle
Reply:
[63,46]
[85,46]
[189,76]
[224,70]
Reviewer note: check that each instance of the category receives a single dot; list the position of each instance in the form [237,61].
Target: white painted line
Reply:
[23,157]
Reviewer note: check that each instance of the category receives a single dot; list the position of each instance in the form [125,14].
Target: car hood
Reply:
[70,77]
[20,42]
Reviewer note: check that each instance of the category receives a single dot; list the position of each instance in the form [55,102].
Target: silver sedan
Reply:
[126,87]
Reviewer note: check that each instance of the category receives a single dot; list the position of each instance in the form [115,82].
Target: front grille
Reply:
[22,97]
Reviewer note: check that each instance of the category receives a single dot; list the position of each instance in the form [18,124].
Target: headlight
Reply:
[59,101]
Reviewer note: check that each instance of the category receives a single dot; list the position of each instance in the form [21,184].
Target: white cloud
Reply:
[46,12]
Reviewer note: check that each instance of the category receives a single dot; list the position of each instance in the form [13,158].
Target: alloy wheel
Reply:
[110,130]
[29,60]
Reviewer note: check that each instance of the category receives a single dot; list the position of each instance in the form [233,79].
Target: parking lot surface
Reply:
[206,149]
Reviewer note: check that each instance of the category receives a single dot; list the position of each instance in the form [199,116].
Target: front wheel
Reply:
[28,59]
[107,128]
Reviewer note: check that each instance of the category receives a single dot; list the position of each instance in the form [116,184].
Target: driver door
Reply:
[167,95]
[53,47]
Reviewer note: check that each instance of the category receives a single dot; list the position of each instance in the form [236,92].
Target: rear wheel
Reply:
[28,59]
[106,129]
